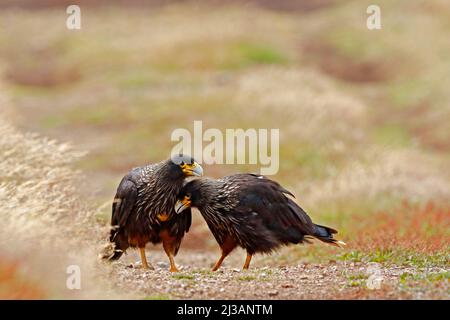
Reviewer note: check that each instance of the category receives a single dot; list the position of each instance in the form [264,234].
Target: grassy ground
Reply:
[363,115]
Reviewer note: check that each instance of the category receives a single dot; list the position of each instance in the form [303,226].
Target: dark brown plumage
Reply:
[143,208]
[252,212]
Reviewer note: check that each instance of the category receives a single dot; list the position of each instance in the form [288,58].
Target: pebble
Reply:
[162,264]
[285,281]
[273,293]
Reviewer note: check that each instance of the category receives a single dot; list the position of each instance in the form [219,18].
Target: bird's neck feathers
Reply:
[163,190]
[209,191]
[169,181]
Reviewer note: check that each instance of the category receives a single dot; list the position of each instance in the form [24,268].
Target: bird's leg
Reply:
[168,248]
[227,246]
[219,262]
[144,259]
[247,261]
[173,267]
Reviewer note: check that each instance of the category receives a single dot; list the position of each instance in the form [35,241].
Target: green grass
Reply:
[228,55]
[408,92]
[397,257]
[247,278]
[350,43]
[357,276]
[428,277]
[259,53]
[183,277]
[138,79]
[393,135]
[307,160]
[52,121]
[356,280]
[356,283]
[204,272]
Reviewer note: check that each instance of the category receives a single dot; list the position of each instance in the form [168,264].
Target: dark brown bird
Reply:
[143,208]
[252,212]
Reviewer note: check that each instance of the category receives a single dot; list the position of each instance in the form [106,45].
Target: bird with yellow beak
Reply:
[143,208]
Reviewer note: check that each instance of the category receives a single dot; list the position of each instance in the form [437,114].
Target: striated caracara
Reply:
[143,208]
[250,211]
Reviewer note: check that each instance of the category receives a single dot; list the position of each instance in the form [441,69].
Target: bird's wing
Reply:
[180,223]
[266,199]
[178,226]
[251,179]
[124,201]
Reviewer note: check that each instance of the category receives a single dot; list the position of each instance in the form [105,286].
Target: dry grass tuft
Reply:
[44,225]
[305,101]
[37,187]
[398,174]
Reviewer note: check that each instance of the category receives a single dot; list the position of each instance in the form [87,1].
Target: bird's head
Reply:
[189,196]
[185,165]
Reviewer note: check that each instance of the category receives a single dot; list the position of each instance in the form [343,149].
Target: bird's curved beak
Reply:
[182,205]
[193,169]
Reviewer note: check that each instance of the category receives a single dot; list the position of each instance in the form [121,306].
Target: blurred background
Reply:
[364,115]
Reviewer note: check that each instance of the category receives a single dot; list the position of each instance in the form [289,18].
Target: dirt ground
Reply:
[333,280]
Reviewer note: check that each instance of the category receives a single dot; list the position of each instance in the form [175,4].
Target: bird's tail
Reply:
[325,234]
[115,255]
[116,247]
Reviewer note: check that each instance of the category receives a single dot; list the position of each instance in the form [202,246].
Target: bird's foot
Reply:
[148,267]
[144,266]
[174,269]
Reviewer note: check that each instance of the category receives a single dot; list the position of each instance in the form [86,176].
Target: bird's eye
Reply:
[188,196]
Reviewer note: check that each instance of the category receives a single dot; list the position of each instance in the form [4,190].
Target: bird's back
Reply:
[258,211]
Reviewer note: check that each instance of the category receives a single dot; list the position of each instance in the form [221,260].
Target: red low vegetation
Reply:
[14,285]
[422,228]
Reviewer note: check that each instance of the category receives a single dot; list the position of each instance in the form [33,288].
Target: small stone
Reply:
[222,290]
[162,265]
[273,293]
[287,285]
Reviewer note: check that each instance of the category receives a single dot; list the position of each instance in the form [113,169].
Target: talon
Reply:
[148,267]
